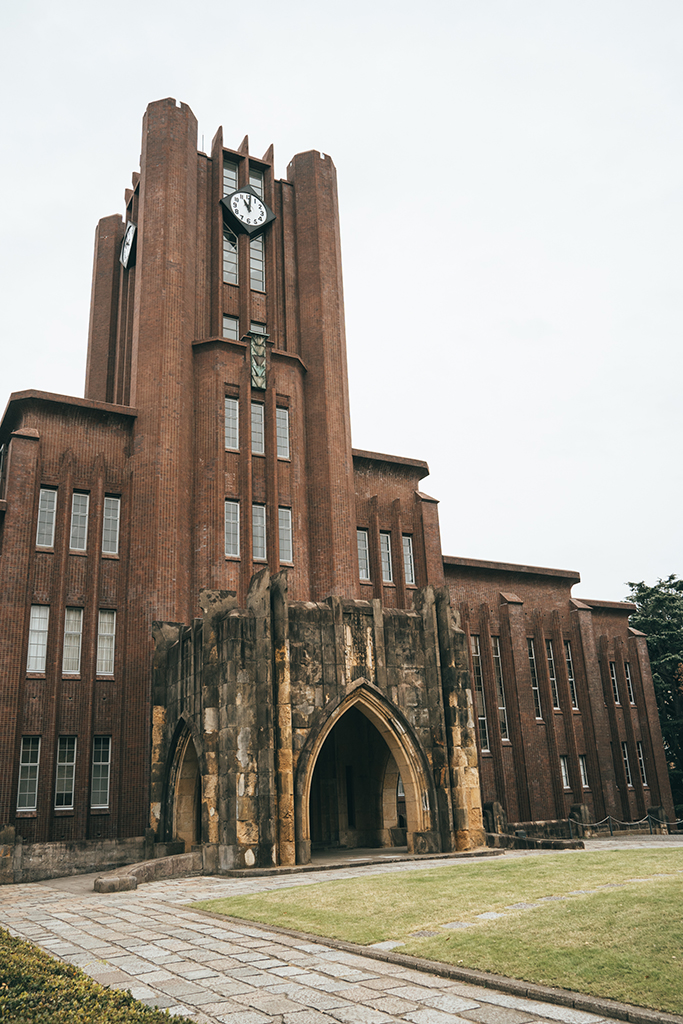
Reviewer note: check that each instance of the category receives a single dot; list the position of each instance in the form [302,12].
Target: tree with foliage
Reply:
[660,616]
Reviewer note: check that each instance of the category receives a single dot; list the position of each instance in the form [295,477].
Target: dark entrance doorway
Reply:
[353,791]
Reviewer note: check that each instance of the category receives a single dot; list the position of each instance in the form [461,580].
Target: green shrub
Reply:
[35,989]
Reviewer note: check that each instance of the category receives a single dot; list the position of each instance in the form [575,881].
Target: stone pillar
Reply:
[286,840]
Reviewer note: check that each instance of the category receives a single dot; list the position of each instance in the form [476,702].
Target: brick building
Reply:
[322,673]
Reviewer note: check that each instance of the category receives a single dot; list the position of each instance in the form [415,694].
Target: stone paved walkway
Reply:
[148,941]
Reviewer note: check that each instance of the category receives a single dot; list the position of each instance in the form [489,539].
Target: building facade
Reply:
[323,674]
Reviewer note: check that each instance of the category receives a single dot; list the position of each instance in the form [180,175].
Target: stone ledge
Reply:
[182,864]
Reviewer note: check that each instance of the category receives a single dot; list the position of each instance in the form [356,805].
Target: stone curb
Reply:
[295,869]
[513,986]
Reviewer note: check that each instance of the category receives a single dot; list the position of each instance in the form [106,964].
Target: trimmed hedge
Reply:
[36,989]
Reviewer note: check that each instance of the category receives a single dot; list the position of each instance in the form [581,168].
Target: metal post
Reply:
[649,821]
[570,828]
[609,819]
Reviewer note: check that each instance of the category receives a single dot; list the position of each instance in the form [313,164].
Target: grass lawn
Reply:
[36,989]
[622,941]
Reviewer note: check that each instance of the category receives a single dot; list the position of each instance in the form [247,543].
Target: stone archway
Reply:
[187,794]
[327,790]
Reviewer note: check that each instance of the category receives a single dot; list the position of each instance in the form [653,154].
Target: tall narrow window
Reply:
[110,526]
[258,437]
[73,629]
[66,770]
[285,530]
[408,560]
[480,699]
[570,673]
[29,762]
[231,328]
[564,768]
[615,684]
[232,424]
[552,673]
[47,509]
[629,682]
[534,677]
[385,554]
[500,690]
[641,761]
[101,764]
[257,264]
[258,527]
[256,180]
[583,766]
[229,177]
[79,521]
[257,328]
[232,529]
[363,554]
[37,637]
[106,637]
[282,425]
[230,260]
[627,766]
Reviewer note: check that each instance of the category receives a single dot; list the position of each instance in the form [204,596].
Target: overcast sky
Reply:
[510,195]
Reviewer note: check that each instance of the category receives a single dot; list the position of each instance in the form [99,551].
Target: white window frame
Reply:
[231,269]
[232,424]
[258,533]
[363,545]
[39,624]
[231,327]
[285,534]
[230,177]
[257,264]
[480,698]
[232,528]
[570,674]
[535,688]
[627,764]
[111,525]
[629,683]
[29,771]
[615,682]
[500,688]
[73,636]
[256,327]
[65,775]
[641,761]
[258,432]
[385,557]
[256,180]
[583,767]
[408,560]
[564,769]
[101,772]
[552,672]
[282,431]
[78,534]
[47,517]
[106,641]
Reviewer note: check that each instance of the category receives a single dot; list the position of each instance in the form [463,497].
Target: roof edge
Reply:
[81,403]
[394,460]
[532,570]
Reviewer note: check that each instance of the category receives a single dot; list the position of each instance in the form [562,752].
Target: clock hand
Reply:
[247,200]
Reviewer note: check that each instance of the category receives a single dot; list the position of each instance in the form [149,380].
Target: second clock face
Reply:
[248,208]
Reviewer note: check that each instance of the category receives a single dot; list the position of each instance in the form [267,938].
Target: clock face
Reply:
[127,245]
[248,208]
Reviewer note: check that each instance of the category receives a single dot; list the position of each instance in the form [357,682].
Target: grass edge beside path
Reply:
[609,943]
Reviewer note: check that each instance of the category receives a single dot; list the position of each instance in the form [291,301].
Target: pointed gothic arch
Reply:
[183,790]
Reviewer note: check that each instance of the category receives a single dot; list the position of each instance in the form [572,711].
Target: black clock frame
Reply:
[130,259]
[238,226]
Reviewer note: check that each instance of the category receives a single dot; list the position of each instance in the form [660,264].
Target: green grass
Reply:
[620,943]
[35,989]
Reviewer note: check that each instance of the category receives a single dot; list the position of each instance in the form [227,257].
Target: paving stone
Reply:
[269,1002]
[548,1011]
[546,899]
[160,1002]
[431,1016]
[457,924]
[522,906]
[309,996]
[487,1014]
[244,1017]
[389,944]
[221,1006]
[415,993]
[491,915]
[450,1003]
[427,934]
[307,1017]
[360,1015]
[392,1004]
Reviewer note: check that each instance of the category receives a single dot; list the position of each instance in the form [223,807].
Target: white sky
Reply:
[510,192]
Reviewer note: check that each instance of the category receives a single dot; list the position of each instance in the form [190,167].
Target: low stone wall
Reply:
[150,871]
[34,862]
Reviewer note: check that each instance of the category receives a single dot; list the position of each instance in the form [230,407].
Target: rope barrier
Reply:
[629,825]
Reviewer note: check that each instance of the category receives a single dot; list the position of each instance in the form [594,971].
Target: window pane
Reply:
[256,180]
[627,766]
[564,768]
[257,268]
[110,526]
[79,521]
[570,674]
[66,768]
[552,673]
[258,440]
[479,698]
[615,685]
[385,553]
[232,528]
[232,424]
[285,526]
[229,177]
[258,519]
[73,627]
[29,760]
[230,264]
[408,562]
[629,682]
[282,425]
[534,677]
[37,637]
[106,635]
[641,762]
[231,328]
[584,770]
[257,328]
[500,690]
[363,554]
[47,507]
[99,794]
